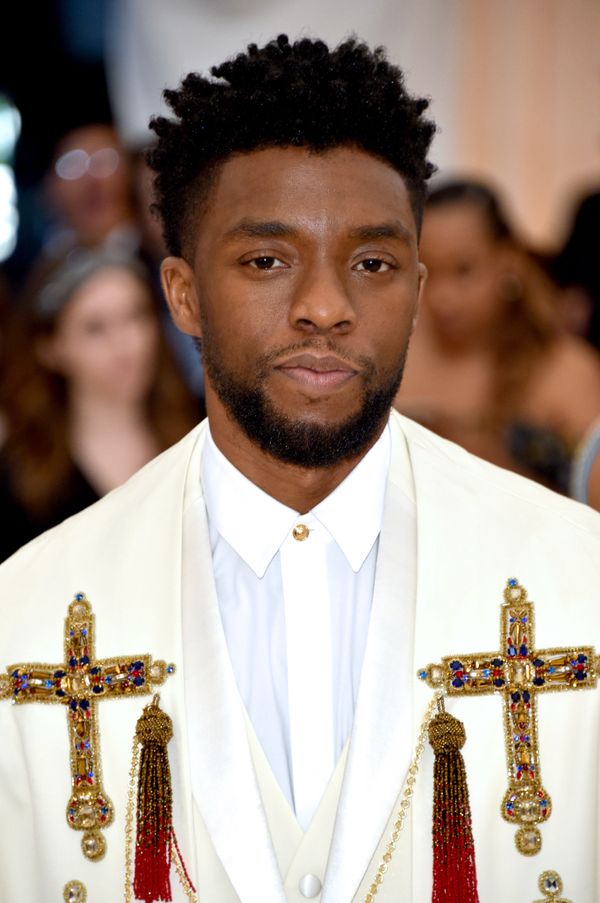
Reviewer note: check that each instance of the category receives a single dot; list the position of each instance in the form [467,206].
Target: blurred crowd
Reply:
[95,381]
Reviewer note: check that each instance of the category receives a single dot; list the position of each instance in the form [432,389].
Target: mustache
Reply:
[270,358]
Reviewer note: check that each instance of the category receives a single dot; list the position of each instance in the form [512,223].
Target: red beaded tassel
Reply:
[454,873]
[154,807]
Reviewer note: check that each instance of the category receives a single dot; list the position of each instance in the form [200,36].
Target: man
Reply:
[300,555]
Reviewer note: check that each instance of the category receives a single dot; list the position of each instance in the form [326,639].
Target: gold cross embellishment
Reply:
[518,673]
[79,683]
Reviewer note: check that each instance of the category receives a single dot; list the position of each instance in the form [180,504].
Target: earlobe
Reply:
[177,278]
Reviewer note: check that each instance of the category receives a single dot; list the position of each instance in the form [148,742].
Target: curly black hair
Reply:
[283,94]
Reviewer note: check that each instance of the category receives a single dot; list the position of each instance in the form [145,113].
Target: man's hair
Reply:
[282,95]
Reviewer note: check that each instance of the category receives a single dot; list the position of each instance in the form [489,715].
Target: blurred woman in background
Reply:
[90,393]
[489,365]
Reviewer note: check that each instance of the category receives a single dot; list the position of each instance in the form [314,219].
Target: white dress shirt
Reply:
[295,596]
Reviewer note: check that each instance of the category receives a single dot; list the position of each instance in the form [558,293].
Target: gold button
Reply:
[300,532]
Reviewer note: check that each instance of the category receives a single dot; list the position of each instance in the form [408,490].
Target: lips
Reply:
[317,371]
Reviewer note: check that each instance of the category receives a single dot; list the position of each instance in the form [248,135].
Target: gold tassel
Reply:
[155,842]
[454,873]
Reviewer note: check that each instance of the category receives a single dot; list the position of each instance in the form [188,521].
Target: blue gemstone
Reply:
[524,619]
[98,689]
[72,662]
[486,672]
[581,658]
[515,696]
[526,738]
[580,675]
[497,662]
[456,665]
[90,774]
[59,673]
[83,631]
[84,660]
[48,684]
[138,666]
[104,810]
[498,682]
[523,650]
[79,596]
[516,738]
[60,692]
[108,679]
[84,704]
[71,633]
[422,674]
[512,581]
[511,651]
[94,670]
[512,620]
[138,681]
[15,673]
[526,696]
[538,662]
[87,744]
[73,704]
[170,669]
[457,682]
[538,681]
[551,669]
[544,803]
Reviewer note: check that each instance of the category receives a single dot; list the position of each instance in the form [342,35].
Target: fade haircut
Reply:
[284,95]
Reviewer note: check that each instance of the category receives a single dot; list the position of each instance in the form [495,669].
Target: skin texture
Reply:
[291,294]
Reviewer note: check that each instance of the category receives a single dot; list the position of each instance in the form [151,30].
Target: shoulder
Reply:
[146,496]
[496,490]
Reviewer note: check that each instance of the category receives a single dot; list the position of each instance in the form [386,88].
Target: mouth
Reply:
[317,371]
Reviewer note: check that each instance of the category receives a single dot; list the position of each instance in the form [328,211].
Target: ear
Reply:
[422,279]
[179,286]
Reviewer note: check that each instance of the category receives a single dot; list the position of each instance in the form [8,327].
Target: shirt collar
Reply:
[255,524]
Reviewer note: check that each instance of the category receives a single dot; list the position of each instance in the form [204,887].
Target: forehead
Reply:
[338,188]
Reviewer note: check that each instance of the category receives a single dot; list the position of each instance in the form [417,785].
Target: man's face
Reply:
[305,283]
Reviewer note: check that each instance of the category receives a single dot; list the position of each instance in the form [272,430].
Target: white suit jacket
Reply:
[477,525]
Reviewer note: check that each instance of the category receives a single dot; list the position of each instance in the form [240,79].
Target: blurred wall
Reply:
[515,84]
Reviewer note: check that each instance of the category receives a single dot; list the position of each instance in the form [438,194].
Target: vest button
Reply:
[310,886]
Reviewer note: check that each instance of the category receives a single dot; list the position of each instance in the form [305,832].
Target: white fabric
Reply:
[296,613]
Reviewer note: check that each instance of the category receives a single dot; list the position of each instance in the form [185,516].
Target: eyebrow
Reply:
[393,229]
[249,228]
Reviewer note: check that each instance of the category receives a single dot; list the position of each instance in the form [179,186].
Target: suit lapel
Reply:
[223,779]
[381,741]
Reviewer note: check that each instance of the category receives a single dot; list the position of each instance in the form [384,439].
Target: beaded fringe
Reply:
[454,873]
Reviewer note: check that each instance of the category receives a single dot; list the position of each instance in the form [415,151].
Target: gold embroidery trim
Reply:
[79,683]
[518,673]
[551,886]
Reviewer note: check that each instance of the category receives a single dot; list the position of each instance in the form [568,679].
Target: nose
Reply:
[322,303]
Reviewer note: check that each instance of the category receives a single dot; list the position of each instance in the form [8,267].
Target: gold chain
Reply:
[405,801]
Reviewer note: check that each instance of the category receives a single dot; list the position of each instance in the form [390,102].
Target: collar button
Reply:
[300,532]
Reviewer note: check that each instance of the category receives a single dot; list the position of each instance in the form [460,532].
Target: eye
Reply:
[373,265]
[265,262]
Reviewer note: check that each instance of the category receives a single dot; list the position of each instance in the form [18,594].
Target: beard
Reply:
[295,441]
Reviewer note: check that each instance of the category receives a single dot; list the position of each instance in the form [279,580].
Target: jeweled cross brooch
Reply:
[518,673]
[79,683]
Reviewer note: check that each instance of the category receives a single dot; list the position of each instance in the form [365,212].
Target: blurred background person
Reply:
[89,191]
[490,366]
[90,392]
[576,269]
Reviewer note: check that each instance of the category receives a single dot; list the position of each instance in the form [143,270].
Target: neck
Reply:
[93,413]
[300,488]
